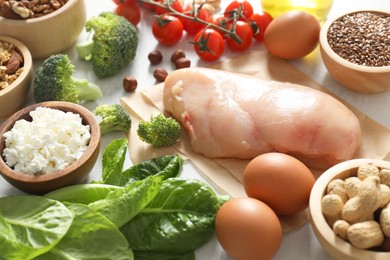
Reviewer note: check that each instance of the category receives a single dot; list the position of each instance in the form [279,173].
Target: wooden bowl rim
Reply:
[88,118]
[27,63]
[322,230]
[324,44]
[45,17]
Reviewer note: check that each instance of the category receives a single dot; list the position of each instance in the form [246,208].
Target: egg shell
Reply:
[248,229]
[292,35]
[281,181]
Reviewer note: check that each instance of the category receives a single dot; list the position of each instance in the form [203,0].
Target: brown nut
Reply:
[182,63]
[177,55]
[160,74]
[155,57]
[130,83]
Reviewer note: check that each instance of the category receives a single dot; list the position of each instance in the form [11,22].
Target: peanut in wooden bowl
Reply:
[13,97]
[75,173]
[352,75]
[48,34]
[332,244]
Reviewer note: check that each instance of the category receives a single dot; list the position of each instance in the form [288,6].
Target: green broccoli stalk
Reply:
[113,45]
[53,81]
[114,118]
[159,131]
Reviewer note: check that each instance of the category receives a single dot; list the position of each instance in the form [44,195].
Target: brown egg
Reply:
[292,35]
[279,180]
[248,229]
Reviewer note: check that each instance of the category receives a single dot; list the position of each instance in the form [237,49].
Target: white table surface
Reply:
[300,244]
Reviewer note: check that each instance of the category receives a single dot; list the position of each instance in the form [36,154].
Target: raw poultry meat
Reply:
[232,115]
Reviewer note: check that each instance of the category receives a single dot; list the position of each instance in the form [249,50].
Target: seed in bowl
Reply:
[13,9]
[11,64]
[52,140]
[358,207]
[362,38]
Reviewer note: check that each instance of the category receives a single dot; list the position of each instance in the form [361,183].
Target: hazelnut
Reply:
[177,55]
[182,63]
[160,74]
[155,57]
[130,84]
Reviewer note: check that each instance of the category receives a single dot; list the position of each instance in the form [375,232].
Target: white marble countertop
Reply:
[300,244]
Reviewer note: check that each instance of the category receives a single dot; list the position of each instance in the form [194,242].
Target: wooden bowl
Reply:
[75,173]
[334,245]
[14,96]
[51,33]
[359,78]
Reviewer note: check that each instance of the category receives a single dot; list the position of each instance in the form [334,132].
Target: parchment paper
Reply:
[225,175]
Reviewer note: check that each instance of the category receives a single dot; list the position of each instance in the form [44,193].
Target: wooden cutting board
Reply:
[225,175]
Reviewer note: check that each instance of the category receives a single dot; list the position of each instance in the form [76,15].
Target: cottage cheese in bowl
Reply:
[51,141]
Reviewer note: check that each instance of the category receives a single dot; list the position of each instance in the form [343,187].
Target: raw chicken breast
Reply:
[232,115]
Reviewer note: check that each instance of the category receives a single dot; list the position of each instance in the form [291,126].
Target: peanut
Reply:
[331,205]
[352,186]
[367,170]
[362,207]
[340,228]
[384,175]
[337,186]
[384,220]
[365,234]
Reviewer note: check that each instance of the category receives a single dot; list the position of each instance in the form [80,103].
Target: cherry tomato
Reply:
[167,29]
[247,9]
[176,5]
[209,44]
[220,20]
[192,27]
[262,21]
[132,12]
[245,32]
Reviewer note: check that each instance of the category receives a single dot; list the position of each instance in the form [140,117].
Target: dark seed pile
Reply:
[362,38]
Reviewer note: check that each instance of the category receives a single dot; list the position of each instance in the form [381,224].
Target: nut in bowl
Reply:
[50,32]
[351,225]
[51,154]
[355,50]
[15,75]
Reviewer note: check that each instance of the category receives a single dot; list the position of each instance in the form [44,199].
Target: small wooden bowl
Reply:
[14,96]
[73,174]
[358,78]
[51,33]
[334,245]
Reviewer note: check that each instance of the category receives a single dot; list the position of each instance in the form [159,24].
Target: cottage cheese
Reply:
[51,141]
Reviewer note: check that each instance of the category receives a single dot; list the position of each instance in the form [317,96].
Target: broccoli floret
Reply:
[113,45]
[159,131]
[53,81]
[114,118]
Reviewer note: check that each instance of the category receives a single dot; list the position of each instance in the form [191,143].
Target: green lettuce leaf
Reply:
[31,225]
[91,236]
[178,220]
[82,193]
[121,205]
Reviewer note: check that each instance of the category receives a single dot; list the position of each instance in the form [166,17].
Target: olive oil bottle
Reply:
[318,8]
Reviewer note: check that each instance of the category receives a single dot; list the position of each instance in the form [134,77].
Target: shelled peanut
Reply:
[358,208]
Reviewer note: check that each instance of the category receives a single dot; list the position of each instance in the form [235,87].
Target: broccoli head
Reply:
[113,44]
[159,131]
[114,118]
[53,81]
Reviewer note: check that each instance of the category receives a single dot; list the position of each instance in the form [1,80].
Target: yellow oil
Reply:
[318,8]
